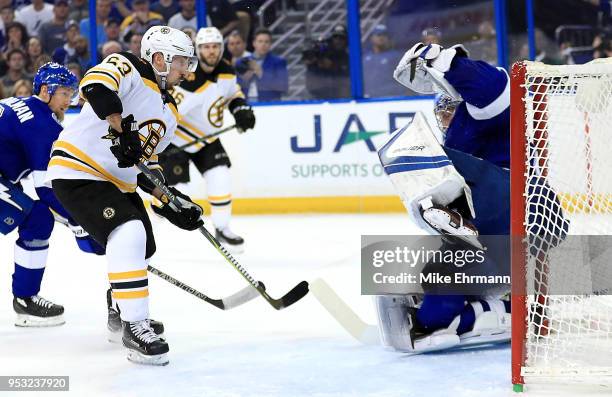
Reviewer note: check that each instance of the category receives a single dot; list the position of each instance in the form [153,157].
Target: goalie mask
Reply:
[444,110]
[210,35]
[170,43]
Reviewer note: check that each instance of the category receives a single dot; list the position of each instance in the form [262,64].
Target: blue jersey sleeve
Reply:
[479,83]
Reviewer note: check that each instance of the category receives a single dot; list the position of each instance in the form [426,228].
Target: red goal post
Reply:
[561,132]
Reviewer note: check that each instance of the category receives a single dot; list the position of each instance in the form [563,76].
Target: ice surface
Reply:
[252,350]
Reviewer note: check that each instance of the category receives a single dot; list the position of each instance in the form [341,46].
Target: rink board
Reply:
[314,157]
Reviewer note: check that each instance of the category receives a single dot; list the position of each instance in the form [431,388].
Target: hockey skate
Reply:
[143,344]
[36,311]
[114,321]
[230,240]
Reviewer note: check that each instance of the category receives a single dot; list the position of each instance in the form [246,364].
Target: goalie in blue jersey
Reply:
[460,190]
[460,199]
[28,128]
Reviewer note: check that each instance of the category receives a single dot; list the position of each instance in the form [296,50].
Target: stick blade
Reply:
[297,293]
[243,296]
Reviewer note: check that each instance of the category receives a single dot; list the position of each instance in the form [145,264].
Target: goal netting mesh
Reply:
[568,217]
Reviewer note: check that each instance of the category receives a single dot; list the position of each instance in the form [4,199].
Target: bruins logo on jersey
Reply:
[153,130]
[215,113]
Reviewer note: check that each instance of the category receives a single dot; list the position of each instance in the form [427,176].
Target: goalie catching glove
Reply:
[186,217]
[423,66]
[126,144]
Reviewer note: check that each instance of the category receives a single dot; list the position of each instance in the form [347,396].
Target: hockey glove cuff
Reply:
[186,217]
[126,144]
[244,116]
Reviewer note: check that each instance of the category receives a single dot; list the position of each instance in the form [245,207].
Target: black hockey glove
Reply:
[126,144]
[187,216]
[244,116]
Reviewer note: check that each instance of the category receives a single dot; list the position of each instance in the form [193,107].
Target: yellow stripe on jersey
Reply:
[188,139]
[203,87]
[193,129]
[127,275]
[226,76]
[174,111]
[109,71]
[151,84]
[100,79]
[76,152]
[131,294]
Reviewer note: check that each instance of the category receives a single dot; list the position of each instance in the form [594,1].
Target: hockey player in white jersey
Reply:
[202,99]
[128,118]
[460,190]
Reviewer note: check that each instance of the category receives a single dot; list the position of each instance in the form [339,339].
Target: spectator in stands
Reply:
[167,8]
[81,53]
[263,76]
[121,9]
[484,46]
[186,18]
[41,60]
[103,9]
[236,47]
[22,88]
[191,32]
[75,68]
[16,37]
[52,33]
[379,64]
[246,10]
[112,31]
[222,16]
[327,66]
[16,62]
[141,19]
[110,47]
[7,15]
[34,51]
[547,51]
[602,47]
[431,36]
[79,10]
[134,46]
[34,15]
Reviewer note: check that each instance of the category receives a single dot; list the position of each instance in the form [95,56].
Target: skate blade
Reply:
[26,320]
[114,337]
[139,358]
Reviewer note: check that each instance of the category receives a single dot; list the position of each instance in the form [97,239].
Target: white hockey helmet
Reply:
[209,35]
[169,42]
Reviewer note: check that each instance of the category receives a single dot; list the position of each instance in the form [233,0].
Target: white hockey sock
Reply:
[127,270]
[218,186]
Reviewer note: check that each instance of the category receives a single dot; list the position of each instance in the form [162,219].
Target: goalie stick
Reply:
[343,314]
[243,296]
[297,293]
[177,149]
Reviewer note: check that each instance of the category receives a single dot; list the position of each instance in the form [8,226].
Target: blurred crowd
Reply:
[37,31]
[33,32]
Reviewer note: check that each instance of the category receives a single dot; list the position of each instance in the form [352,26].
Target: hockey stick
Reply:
[297,293]
[178,149]
[243,296]
[343,314]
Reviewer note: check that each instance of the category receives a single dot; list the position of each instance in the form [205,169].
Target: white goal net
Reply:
[562,180]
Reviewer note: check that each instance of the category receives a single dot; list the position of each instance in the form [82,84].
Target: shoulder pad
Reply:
[143,67]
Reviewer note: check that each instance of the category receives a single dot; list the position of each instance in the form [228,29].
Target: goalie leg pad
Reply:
[419,169]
